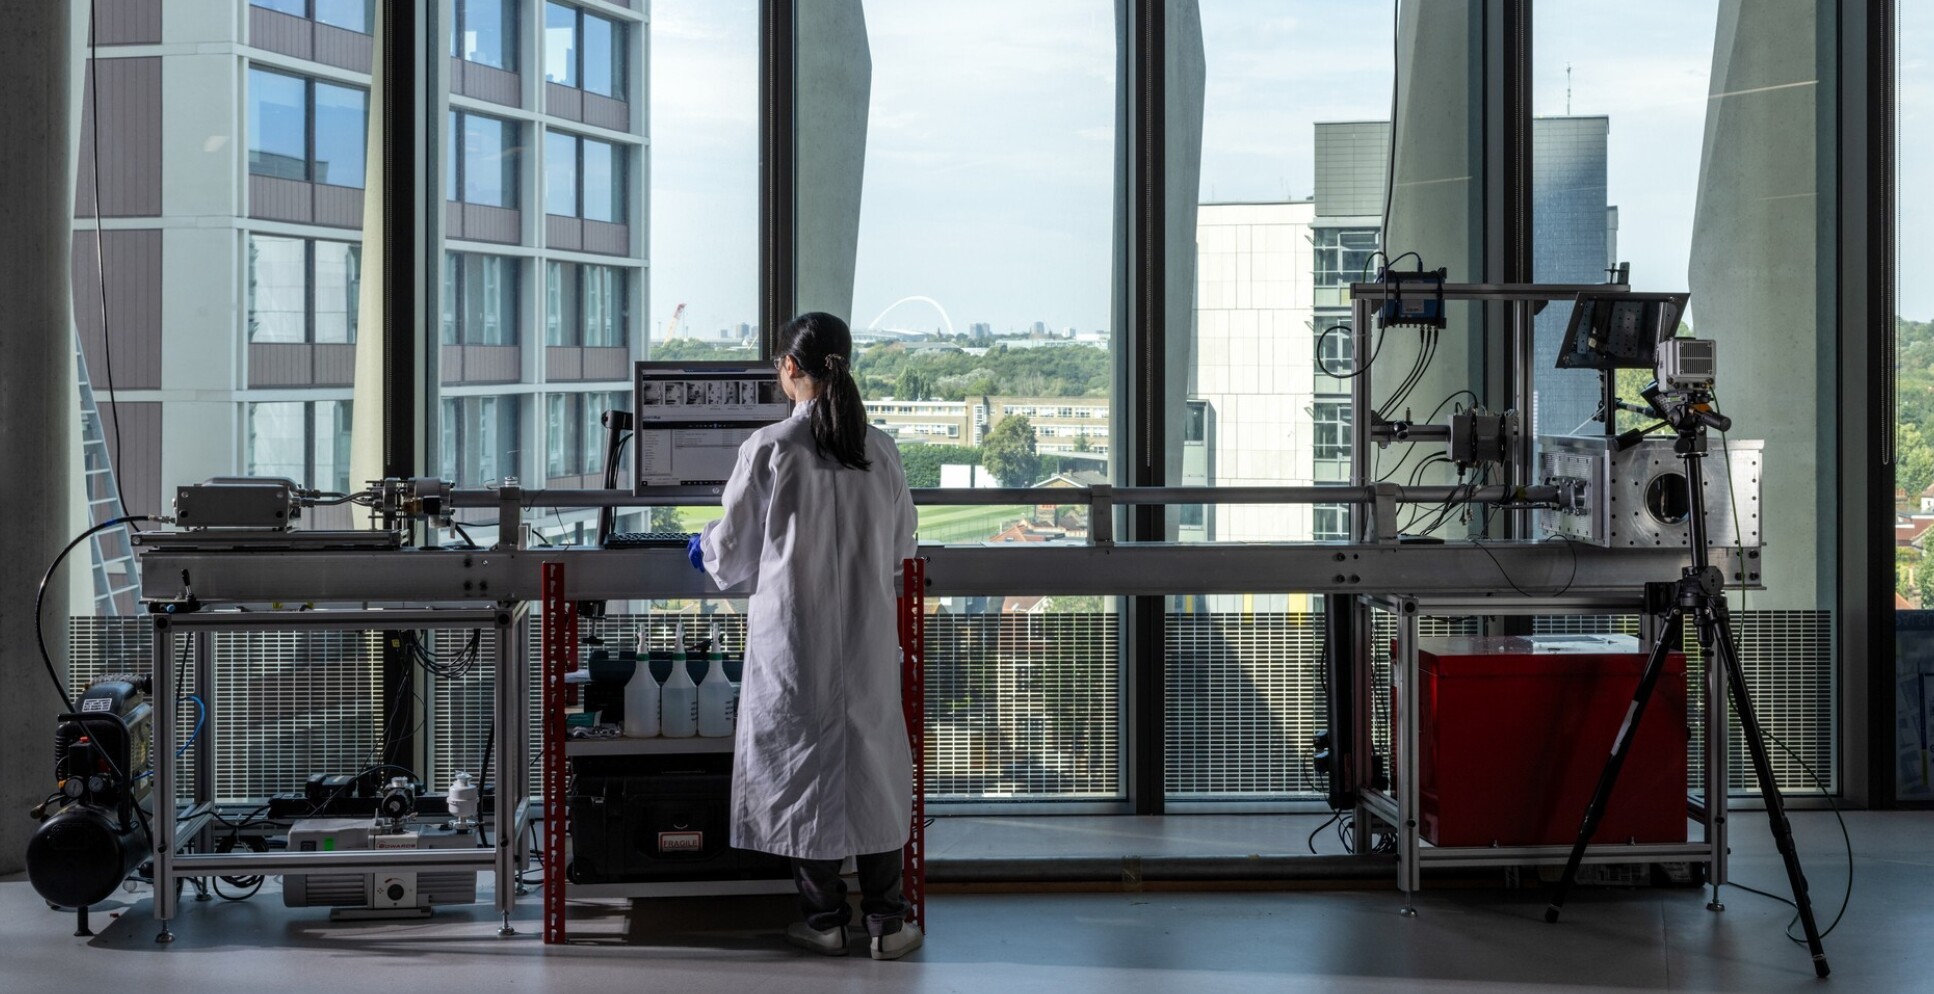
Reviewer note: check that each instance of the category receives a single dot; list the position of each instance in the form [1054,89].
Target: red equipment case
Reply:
[1514,733]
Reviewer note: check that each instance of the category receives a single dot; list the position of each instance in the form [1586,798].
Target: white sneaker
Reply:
[827,942]
[894,945]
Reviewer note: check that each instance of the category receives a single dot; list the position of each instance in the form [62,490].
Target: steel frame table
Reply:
[507,621]
[1399,806]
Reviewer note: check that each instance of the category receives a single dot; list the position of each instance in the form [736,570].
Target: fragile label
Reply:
[675,842]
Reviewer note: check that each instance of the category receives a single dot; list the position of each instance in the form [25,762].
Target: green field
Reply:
[943,525]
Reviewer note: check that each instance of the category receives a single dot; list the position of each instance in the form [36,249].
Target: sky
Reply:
[1915,174]
[989,166]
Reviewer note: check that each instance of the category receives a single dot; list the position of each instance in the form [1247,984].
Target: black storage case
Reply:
[662,826]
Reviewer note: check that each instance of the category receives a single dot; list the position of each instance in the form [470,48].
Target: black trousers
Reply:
[822,892]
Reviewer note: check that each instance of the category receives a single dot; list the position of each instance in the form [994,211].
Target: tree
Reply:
[912,385]
[1010,452]
[668,519]
[922,462]
[1913,461]
[1081,443]
[693,349]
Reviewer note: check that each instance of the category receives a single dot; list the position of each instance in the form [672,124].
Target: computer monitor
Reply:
[690,418]
[1619,330]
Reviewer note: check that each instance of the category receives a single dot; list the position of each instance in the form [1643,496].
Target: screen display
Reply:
[1619,330]
[692,418]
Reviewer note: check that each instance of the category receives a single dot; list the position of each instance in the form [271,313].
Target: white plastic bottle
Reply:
[718,702]
[641,701]
[679,696]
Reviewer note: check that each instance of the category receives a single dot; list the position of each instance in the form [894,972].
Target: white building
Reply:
[232,171]
[1250,402]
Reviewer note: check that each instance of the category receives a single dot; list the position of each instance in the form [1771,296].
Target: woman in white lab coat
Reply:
[817,510]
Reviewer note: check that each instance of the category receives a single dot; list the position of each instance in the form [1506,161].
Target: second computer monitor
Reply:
[1619,330]
[691,417]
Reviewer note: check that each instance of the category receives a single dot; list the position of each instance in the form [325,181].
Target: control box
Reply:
[238,502]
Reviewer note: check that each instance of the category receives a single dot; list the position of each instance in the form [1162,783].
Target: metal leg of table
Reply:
[1364,750]
[162,749]
[509,758]
[205,740]
[1716,780]
[1405,761]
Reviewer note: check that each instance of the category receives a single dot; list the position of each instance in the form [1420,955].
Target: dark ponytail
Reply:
[822,346]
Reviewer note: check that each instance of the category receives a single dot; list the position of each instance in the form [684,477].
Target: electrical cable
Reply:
[1569,545]
[1390,264]
[181,696]
[201,719]
[1732,499]
[1426,354]
[100,251]
[1398,394]
[1390,162]
[490,742]
[467,540]
[1324,365]
[40,597]
[1311,841]
[1443,511]
[1847,897]
[461,665]
[1439,409]
[248,817]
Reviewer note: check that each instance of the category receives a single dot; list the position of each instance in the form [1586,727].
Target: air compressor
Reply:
[94,831]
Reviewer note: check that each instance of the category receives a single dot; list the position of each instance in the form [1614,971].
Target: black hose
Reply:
[40,597]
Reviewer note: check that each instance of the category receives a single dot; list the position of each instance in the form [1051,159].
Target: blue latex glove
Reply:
[696,553]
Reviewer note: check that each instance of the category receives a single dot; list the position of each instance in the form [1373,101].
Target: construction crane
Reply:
[676,324]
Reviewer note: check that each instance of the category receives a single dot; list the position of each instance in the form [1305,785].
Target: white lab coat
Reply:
[822,768]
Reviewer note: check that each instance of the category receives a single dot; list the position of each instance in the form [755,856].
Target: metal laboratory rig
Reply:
[234,547]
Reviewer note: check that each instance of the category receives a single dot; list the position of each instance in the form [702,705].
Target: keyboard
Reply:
[648,540]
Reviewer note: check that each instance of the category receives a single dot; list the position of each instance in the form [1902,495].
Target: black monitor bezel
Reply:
[1577,353]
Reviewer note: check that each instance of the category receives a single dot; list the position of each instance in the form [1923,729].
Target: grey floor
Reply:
[1464,939]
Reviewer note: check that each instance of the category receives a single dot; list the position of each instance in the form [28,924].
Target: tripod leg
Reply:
[1716,636]
[1621,744]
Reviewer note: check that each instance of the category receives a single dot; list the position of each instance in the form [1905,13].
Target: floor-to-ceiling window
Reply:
[980,294]
[1693,142]
[1913,686]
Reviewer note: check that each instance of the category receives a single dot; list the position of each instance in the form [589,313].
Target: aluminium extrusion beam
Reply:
[976,496]
[357,861]
[1495,573]
[1506,292]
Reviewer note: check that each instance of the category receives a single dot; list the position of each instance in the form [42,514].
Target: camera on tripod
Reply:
[1621,331]
[1687,365]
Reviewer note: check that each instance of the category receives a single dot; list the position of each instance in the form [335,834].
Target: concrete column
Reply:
[1434,210]
[1433,207]
[834,86]
[36,392]
[1184,71]
[1184,81]
[1755,279]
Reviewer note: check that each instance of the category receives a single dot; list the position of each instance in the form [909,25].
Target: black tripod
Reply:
[1699,592]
